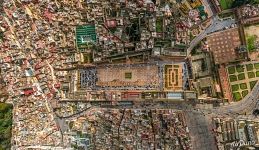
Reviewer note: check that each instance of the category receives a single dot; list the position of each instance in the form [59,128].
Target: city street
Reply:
[200,131]
[198,120]
[245,106]
[216,25]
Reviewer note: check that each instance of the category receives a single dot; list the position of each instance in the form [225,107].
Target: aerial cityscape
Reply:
[129,75]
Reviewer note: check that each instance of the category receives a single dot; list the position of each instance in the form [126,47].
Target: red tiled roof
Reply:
[28,92]
[111,23]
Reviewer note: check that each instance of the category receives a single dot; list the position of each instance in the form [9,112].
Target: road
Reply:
[216,25]
[209,7]
[200,127]
[198,121]
[245,106]
[199,124]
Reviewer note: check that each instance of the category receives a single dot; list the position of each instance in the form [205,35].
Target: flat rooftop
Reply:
[223,44]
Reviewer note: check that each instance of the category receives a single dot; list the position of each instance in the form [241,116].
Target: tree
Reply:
[1,35]
[238,3]
[5,126]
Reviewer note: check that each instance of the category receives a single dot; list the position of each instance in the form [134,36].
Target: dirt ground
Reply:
[252,30]
[254,56]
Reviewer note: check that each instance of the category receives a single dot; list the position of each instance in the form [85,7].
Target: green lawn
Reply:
[235,87]
[233,78]
[241,76]
[244,93]
[251,75]
[252,84]
[226,4]
[159,25]
[237,96]
[256,66]
[240,68]
[231,70]
[257,73]
[249,67]
[5,126]
[243,86]
[251,43]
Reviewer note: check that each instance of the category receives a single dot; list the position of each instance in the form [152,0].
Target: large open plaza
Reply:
[131,76]
[144,76]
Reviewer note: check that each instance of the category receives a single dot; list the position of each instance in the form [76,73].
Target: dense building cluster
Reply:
[133,129]
[34,124]
[89,74]
[231,133]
